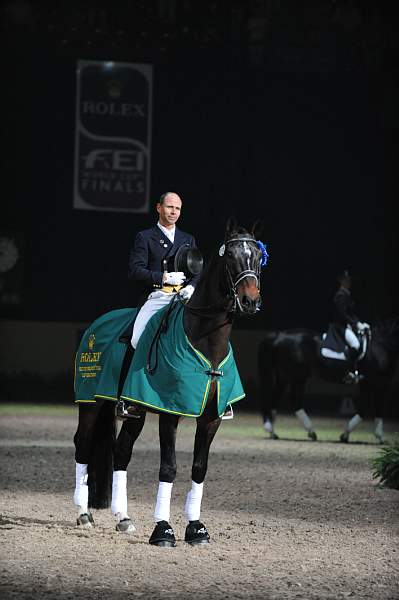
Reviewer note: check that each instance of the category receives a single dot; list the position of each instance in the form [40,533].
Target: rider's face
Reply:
[169,210]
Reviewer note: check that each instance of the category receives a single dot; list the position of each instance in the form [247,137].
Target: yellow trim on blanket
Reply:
[206,361]
[85,401]
[172,412]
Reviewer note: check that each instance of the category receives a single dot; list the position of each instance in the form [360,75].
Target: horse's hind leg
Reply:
[196,532]
[269,412]
[163,534]
[88,414]
[130,431]
[296,397]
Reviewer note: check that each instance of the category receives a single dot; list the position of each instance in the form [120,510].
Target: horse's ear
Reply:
[257,229]
[231,225]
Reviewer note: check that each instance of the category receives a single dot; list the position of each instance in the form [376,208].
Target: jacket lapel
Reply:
[164,242]
[179,237]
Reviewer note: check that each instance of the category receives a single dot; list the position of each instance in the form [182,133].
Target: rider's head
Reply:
[345,279]
[169,208]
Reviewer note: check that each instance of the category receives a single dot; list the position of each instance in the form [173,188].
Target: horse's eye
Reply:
[229,253]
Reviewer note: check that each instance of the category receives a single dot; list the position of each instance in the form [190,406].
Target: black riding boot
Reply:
[122,406]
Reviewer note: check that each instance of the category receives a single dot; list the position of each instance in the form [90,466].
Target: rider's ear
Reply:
[257,229]
[231,225]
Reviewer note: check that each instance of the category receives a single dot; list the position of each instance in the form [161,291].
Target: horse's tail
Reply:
[101,459]
[267,372]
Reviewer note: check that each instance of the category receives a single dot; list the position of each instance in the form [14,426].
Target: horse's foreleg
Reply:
[167,470]
[83,439]
[163,534]
[196,532]
[128,434]
[349,427]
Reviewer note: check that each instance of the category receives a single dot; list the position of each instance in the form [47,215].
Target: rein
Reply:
[215,308]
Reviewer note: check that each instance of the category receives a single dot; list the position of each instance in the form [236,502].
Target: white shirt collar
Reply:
[170,233]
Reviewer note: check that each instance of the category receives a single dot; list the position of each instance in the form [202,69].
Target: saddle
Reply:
[340,351]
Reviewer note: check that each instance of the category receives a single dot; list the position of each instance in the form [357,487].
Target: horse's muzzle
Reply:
[250,306]
[249,297]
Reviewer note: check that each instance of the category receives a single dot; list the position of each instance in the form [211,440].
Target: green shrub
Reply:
[386,466]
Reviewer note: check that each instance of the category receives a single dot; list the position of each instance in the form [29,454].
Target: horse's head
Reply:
[242,259]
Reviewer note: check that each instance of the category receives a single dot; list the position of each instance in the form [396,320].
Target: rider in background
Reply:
[347,325]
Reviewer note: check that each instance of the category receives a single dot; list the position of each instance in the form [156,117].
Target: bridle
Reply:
[232,285]
[255,273]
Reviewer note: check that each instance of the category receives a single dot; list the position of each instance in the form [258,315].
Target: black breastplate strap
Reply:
[214,373]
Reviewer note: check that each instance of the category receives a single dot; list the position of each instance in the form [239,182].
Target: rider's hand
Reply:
[174,278]
[186,292]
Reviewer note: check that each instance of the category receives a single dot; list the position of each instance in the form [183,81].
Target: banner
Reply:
[113,136]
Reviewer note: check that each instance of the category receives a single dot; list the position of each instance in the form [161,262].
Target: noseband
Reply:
[237,306]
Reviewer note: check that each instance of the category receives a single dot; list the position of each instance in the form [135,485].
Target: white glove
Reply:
[186,292]
[362,326]
[174,278]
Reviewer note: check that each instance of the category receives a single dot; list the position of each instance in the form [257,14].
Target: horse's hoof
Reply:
[344,437]
[163,535]
[125,526]
[312,436]
[196,533]
[380,440]
[274,436]
[85,520]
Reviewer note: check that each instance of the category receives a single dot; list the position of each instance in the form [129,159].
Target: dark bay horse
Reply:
[287,359]
[229,286]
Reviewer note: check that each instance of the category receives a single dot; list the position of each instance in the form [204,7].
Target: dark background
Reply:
[279,110]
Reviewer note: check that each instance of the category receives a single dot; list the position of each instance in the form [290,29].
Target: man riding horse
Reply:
[183,366]
[345,331]
[157,267]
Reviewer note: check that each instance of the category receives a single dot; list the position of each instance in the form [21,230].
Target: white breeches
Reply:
[155,302]
[351,339]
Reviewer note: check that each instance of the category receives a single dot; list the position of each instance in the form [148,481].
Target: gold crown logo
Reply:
[92,339]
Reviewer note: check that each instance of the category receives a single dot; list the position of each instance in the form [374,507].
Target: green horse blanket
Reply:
[99,357]
[181,376]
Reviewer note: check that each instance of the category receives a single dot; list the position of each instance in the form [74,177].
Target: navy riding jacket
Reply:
[151,255]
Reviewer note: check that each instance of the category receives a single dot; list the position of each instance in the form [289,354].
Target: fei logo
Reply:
[117,160]
[113,136]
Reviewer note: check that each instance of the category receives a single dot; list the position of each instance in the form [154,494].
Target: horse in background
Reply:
[287,359]
[229,286]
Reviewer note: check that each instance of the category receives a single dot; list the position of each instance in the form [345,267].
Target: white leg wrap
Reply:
[81,495]
[193,501]
[304,419]
[162,508]
[353,422]
[119,494]
[268,426]
[379,429]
